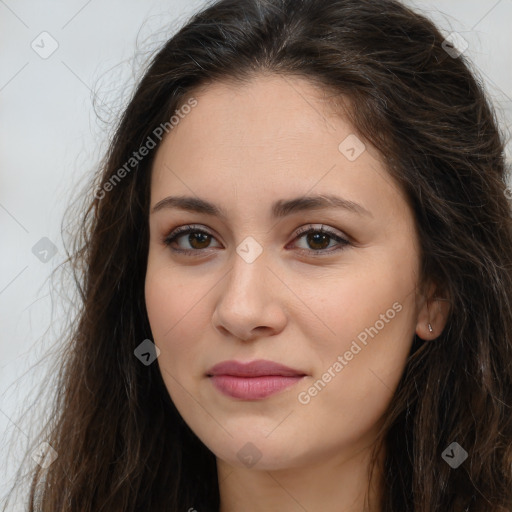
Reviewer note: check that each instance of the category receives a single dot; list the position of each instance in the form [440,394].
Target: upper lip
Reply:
[257,368]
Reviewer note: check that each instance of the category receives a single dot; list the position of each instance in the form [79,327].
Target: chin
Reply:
[257,453]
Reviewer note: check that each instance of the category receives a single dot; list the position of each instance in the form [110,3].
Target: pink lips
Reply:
[254,380]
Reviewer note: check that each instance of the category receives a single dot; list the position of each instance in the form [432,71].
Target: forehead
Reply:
[270,117]
[273,136]
[269,108]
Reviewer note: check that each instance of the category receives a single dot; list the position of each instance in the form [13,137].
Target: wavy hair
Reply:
[121,444]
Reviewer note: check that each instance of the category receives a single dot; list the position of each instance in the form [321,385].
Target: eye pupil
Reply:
[203,237]
[318,238]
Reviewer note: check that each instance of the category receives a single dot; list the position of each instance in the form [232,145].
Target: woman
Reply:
[297,277]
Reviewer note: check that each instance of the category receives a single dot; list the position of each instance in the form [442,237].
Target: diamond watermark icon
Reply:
[352,147]
[147,352]
[249,455]
[44,250]
[454,455]
[249,249]
[455,45]
[44,455]
[44,45]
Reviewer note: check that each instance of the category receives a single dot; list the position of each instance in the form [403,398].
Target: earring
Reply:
[430,328]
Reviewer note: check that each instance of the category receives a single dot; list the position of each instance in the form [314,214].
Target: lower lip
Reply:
[252,388]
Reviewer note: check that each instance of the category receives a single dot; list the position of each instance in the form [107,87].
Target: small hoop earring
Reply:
[430,328]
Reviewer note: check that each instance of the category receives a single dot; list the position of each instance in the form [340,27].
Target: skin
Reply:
[243,147]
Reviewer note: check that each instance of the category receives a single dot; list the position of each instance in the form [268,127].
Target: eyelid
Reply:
[314,227]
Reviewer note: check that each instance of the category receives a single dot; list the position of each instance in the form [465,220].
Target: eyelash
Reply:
[184,230]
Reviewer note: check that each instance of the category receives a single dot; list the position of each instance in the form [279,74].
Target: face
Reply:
[326,289]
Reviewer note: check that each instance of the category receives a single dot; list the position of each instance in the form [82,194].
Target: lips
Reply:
[257,368]
[254,380]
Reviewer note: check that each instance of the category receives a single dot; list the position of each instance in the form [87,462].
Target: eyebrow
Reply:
[281,208]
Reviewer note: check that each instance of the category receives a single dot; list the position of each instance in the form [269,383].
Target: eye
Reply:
[198,239]
[318,238]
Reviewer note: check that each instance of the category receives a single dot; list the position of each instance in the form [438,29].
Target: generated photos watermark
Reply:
[342,361]
[144,150]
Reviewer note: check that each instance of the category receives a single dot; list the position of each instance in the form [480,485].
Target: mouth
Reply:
[255,380]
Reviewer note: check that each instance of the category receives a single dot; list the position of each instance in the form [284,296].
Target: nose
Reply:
[250,301]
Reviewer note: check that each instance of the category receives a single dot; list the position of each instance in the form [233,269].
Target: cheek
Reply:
[161,304]
[358,300]
[178,319]
[166,310]
[171,299]
[355,380]
[368,320]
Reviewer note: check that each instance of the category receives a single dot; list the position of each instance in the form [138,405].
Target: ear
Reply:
[433,309]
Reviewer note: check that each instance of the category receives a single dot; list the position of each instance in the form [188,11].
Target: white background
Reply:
[51,137]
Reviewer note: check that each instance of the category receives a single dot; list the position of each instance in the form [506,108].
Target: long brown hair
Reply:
[121,444]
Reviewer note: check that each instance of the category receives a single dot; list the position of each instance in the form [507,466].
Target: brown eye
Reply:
[318,240]
[197,239]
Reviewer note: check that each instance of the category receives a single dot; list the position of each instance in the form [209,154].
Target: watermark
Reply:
[249,454]
[45,45]
[454,455]
[249,249]
[44,455]
[304,397]
[352,147]
[144,150]
[44,250]
[147,352]
[455,45]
